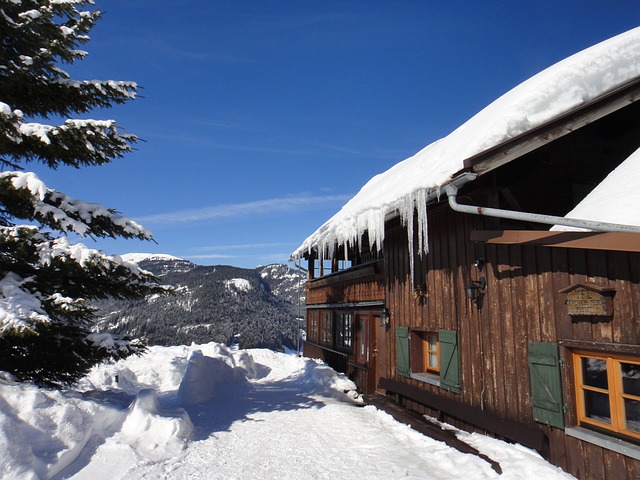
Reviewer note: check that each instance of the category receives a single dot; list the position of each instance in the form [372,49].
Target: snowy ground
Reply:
[207,412]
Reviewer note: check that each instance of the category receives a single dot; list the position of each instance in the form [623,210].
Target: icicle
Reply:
[421,207]
[410,206]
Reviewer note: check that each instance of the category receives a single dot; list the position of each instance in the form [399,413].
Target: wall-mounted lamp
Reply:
[420,292]
[475,288]
[385,318]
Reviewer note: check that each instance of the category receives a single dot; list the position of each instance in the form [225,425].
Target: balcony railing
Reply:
[363,283]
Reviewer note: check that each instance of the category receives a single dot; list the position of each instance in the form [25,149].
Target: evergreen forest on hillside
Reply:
[257,308]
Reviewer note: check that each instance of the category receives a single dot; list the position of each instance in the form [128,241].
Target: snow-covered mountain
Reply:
[255,307]
[159,263]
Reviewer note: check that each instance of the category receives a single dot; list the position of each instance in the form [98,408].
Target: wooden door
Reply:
[365,352]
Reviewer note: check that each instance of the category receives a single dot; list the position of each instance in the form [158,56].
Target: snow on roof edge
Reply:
[564,86]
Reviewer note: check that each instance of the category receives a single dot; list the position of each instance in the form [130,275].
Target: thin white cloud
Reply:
[209,256]
[235,210]
[244,246]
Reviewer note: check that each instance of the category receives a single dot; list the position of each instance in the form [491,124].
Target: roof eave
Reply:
[564,124]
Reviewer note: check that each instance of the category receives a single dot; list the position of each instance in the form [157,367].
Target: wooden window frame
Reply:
[313,332]
[344,330]
[361,327]
[427,351]
[420,350]
[327,328]
[614,392]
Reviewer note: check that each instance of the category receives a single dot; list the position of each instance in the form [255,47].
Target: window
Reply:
[431,350]
[608,392]
[326,333]
[344,265]
[362,346]
[344,330]
[429,356]
[312,325]
[321,268]
[425,352]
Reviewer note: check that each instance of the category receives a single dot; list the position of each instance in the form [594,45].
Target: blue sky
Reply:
[260,119]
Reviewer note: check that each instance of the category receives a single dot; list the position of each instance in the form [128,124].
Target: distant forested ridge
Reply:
[259,308]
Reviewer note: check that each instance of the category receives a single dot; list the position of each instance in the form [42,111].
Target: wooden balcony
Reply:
[359,284]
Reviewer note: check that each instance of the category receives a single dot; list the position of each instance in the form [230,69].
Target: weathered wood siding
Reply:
[521,303]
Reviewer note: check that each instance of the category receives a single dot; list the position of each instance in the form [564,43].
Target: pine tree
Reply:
[46,282]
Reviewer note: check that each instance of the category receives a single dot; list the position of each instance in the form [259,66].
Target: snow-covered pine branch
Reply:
[38,37]
[75,143]
[25,196]
[20,309]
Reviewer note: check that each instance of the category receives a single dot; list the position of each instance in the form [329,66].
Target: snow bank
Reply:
[176,412]
[155,433]
[44,431]
[140,402]
[206,376]
[559,89]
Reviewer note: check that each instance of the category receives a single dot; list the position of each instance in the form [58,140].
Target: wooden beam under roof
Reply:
[615,241]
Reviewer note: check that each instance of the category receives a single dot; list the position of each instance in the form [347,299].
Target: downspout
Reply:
[452,188]
[299,318]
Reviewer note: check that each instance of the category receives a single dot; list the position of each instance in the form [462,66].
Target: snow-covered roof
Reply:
[615,199]
[561,88]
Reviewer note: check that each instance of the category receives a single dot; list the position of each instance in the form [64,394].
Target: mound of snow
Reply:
[155,433]
[205,375]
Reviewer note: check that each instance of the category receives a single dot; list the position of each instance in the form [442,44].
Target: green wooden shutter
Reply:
[402,351]
[546,387]
[449,360]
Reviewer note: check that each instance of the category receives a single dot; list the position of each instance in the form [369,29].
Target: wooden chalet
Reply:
[498,324]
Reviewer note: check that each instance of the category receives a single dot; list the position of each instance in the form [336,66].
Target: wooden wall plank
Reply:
[471,346]
[504,317]
[614,466]
[623,309]
[633,469]
[594,462]
[494,376]
[531,293]
[520,334]
[546,295]
[560,267]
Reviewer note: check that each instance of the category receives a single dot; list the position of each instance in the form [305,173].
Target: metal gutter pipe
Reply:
[452,188]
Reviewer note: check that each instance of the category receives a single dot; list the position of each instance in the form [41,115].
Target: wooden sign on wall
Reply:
[589,299]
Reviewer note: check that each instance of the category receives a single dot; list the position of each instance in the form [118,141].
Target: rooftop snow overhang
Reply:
[566,96]
[572,120]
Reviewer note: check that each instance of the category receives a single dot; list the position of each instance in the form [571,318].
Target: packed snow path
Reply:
[226,414]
